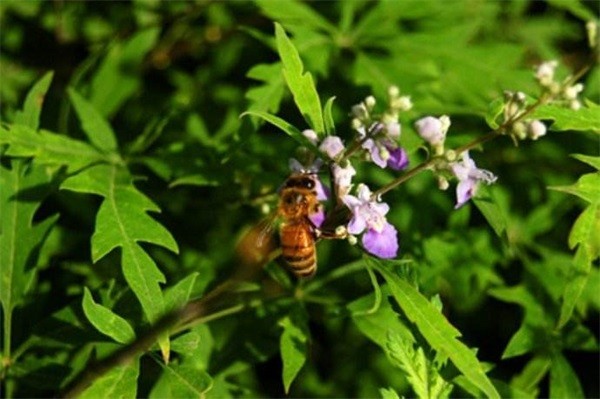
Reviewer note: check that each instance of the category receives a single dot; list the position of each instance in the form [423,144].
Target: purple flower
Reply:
[380,237]
[332,146]
[469,176]
[379,154]
[398,159]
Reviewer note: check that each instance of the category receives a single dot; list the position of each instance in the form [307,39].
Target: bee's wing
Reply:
[258,243]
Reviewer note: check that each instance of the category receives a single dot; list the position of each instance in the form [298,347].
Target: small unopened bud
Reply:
[265,208]
[393,91]
[575,105]
[451,155]
[359,111]
[545,72]
[443,183]
[571,92]
[403,103]
[370,102]
[356,124]
[351,240]
[341,231]
[536,129]
[519,130]
[520,97]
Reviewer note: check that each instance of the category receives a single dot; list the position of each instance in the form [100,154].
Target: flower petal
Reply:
[464,191]
[357,224]
[384,244]
[317,218]
[398,159]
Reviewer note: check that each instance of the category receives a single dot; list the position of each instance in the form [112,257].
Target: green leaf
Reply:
[96,128]
[49,148]
[22,190]
[328,116]
[377,325]
[495,109]
[422,375]
[118,77]
[283,125]
[526,339]
[32,108]
[295,13]
[293,345]
[199,180]
[583,119]
[586,188]
[122,221]
[182,381]
[532,374]
[578,277]
[388,393]
[563,379]
[179,294]
[268,96]
[438,332]
[106,321]
[592,161]
[119,382]
[491,210]
[300,84]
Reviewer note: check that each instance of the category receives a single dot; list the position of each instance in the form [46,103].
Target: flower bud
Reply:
[332,146]
[571,92]
[433,130]
[443,183]
[520,131]
[370,102]
[545,72]
[356,124]
[393,91]
[351,239]
[341,231]
[536,129]
[311,135]
[359,111]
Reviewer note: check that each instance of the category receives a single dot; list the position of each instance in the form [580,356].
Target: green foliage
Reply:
[135,157]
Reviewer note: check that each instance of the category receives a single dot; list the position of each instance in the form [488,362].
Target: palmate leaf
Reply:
[300,84]
[583,237]
[583,119]
[49,148]
[122,222]
[267,96]
[438,332]
[423,376]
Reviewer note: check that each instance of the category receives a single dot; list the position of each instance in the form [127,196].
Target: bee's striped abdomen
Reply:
[298,248]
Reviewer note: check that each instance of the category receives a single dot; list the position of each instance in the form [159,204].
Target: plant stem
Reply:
[6,353]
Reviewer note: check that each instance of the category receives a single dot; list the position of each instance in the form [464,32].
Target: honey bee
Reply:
[297,233]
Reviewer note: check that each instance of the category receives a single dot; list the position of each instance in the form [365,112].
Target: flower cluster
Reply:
[560,91]
[433,130]
[376,139]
